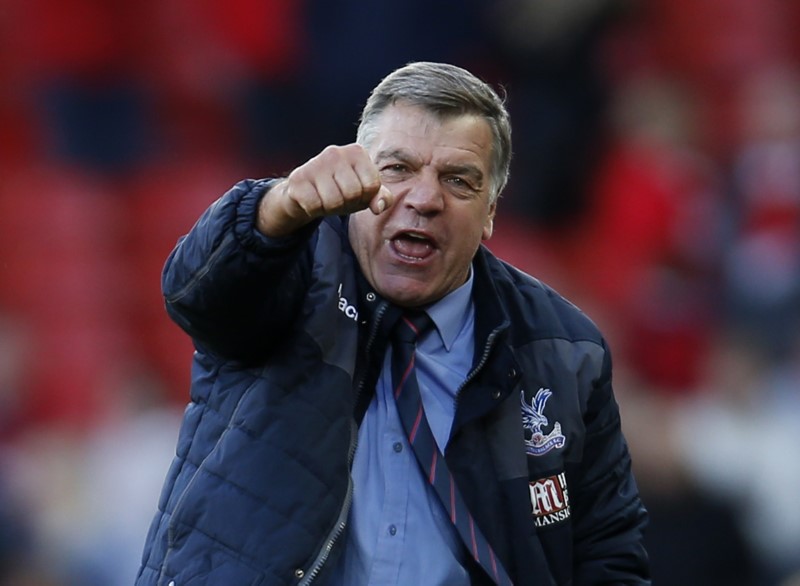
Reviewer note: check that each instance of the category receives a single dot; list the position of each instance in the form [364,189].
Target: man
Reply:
[298,461]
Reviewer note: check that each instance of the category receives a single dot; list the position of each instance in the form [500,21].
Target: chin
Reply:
[405,296]
[406,300]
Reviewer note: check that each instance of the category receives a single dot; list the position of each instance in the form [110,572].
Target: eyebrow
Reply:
[394,153]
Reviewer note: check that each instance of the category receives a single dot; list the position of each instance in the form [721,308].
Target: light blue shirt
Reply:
[399,531]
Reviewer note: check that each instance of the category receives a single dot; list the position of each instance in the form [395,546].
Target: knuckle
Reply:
[331,154]
[371,183]
[353,149]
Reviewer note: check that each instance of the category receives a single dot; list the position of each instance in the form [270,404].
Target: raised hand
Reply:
[339,180]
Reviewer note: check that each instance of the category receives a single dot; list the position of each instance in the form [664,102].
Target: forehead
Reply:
[426,133]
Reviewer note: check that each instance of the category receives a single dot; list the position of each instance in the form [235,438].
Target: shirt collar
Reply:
[451,311]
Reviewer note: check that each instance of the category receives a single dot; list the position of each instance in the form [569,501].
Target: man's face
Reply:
[421,248]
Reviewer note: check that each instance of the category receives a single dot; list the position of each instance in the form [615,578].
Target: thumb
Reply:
[382,201]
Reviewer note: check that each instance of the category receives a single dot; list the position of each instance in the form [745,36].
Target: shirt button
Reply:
[496,394]
[392,530]
[398,447]
[370,296]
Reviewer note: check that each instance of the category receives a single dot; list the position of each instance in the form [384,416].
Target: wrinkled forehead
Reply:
[412,125]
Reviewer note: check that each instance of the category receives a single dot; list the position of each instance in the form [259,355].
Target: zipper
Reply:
[481,363]
[373,333]
[341,524]
[337,530]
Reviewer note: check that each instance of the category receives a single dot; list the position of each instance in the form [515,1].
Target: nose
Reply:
[425,195]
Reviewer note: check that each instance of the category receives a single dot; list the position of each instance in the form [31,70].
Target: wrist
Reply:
[272,219]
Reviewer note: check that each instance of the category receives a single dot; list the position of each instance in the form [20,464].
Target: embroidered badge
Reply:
[533,419]
[549,500]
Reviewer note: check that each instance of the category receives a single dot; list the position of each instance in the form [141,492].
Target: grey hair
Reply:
[445,90]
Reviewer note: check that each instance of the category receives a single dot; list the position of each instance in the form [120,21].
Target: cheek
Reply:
[363,232]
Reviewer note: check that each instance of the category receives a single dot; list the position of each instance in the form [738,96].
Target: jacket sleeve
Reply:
[609,516]
[232,289]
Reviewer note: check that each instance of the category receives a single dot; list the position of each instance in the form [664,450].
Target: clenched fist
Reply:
[340,180]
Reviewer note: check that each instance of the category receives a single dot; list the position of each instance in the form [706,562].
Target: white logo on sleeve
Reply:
[345,307]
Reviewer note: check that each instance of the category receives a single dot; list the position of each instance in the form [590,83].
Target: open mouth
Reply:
[413,246]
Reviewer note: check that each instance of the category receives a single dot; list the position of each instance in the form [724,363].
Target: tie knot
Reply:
[411,325]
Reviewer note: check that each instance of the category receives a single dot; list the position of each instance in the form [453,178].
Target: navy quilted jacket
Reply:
[259,491]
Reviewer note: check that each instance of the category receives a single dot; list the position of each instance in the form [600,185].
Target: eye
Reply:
[460,184]
[394,171]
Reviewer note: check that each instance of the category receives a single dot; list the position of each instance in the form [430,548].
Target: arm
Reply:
[609,516]
[237,280]
[227,285]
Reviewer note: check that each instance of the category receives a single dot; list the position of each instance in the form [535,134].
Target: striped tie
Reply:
[409,405]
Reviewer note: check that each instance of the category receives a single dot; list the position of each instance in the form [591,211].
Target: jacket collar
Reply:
[495,371]
[490,313]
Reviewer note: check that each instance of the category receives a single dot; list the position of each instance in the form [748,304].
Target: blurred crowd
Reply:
[655,182]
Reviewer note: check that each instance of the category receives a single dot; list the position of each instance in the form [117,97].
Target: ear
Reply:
[488,226]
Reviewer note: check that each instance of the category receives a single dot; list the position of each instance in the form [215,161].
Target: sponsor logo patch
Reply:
[549,500]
